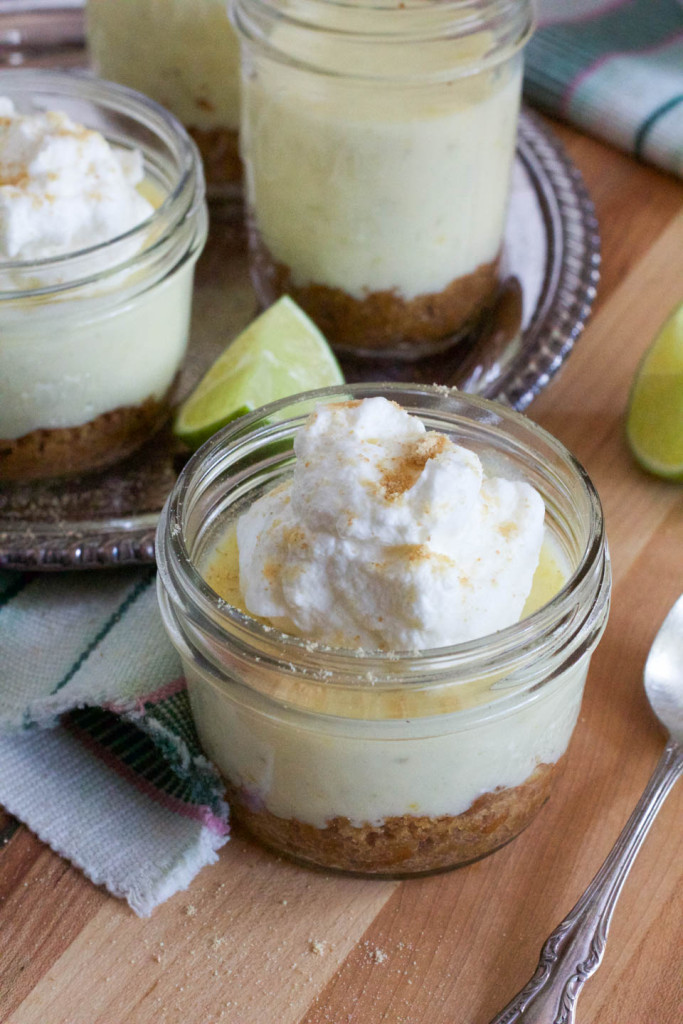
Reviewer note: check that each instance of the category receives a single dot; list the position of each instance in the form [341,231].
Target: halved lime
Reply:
[654,422]
[281,353]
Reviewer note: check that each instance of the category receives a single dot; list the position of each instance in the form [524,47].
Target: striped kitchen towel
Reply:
[614,68]
[98,751]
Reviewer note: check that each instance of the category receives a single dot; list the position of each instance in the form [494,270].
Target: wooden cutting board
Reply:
[257,940]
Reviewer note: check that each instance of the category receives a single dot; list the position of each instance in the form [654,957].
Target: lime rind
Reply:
[279,354]
[654,422]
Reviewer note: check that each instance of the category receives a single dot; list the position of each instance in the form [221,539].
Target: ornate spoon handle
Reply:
[574,950]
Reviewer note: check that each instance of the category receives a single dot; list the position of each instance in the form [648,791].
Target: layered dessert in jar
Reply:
[185,55]
[378,142]
[386,632]
[102,218]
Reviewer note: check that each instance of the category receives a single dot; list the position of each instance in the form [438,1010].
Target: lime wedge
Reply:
[281,353]
[654,422]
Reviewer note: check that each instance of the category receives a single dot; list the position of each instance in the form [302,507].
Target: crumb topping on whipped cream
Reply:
[63,188]
[388,536]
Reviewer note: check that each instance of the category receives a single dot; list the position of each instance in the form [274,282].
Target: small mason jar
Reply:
[185,55]
[383,763]
[91,342]
[378,140]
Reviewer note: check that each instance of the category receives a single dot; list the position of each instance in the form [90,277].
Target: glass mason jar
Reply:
[91,342]
[185,55]
[378,141]
[383,763]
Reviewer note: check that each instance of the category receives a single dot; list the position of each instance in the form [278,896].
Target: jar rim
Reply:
[422,21]
[178,205]
[563,620]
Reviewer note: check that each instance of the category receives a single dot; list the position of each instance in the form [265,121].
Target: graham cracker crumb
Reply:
[409,843]
[375,954]
[376,321]
[398,475]
[65,451]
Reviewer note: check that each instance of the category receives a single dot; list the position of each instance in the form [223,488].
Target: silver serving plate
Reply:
[551,268]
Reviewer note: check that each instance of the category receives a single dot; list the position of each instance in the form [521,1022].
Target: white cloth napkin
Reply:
[98,753]
[614,68]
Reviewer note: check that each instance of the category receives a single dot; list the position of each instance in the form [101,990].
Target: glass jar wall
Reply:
[91,341]
[185,55]
[378,140]
[397,762]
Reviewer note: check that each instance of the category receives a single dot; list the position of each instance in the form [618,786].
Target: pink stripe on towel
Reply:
[565,16]
[576,83]
[197,812]
[138,703]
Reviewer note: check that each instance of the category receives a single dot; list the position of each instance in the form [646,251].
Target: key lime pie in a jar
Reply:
[185,55]
[385,601]
[102,219]
[378,139]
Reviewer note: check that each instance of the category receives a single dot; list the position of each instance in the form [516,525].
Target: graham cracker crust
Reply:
[68,451]
[382,321]
[219,149]
[408,844]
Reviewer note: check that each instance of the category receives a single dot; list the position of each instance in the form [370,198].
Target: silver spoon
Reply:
[574,950]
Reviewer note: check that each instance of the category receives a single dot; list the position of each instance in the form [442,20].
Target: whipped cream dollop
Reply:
[62,186]
[388,536]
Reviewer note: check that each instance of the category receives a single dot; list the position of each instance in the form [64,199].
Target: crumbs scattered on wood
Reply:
[375,955]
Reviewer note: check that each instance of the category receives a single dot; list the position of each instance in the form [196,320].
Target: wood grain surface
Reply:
[257,940]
